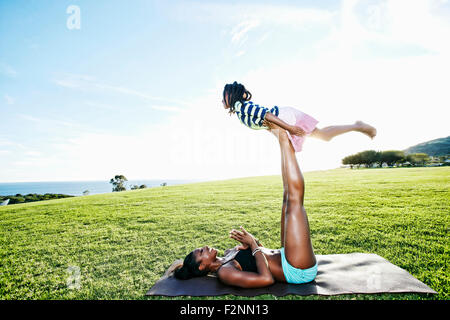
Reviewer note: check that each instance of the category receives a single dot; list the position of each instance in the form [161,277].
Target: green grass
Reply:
[123,242]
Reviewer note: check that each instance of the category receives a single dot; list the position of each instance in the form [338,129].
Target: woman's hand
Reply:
[296,131]
[236,248]
[246,239]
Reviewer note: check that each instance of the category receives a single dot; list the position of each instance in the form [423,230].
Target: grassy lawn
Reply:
[123,242]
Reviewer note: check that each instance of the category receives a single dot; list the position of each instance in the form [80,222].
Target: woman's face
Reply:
[205,256]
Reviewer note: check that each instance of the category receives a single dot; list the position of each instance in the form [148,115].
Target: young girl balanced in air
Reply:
[296,123]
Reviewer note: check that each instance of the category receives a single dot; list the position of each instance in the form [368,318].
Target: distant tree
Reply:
[369,157]
[86,192]
[15,199]
[392,157]
[417,158]
[442,158]
[135,187]
[118,183]
[358,159]
[163,184]
[361,158]
[31,197]
[349,160]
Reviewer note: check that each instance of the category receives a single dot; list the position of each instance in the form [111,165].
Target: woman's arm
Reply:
[275,120]
[244,279]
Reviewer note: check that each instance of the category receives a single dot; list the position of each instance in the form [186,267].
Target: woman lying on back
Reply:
[250,265]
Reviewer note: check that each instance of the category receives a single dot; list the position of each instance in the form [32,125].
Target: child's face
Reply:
[225,102]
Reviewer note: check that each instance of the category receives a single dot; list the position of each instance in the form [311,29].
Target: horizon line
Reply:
[156,179]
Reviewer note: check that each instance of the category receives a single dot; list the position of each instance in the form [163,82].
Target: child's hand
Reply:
[296,131]
[267,124]
[270,125]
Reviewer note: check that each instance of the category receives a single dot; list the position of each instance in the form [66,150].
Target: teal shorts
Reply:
[296,275]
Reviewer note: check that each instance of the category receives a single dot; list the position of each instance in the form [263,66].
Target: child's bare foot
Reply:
[367,129]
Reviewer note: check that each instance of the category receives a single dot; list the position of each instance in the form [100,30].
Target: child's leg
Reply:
[330,132]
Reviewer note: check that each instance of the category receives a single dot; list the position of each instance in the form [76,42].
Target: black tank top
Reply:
[246,260]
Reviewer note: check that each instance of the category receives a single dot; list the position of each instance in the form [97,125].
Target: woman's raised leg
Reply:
[285,198]
[275,131]
[297,241]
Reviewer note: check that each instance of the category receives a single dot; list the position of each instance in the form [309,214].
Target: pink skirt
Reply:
[300,119]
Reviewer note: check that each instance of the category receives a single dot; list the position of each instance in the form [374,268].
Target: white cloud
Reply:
[48,122]
[244,18]
[167,108]
[5,142]
[9,100]
[30,118]
[263,38]
[22,163]
[70,80]
[239,32]
[226,13]
[95,104]
[32,153]
[394,23]
[105,106]
[7,70]
[89,83]
[420,23]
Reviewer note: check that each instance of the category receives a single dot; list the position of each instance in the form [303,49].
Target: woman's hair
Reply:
[236,93]
[189,268]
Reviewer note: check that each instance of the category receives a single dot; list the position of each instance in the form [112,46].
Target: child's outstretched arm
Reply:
[294,130]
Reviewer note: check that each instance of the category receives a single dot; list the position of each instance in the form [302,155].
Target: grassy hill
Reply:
[437,147]
[123,242]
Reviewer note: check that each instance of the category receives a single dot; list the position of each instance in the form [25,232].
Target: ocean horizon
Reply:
[76,188]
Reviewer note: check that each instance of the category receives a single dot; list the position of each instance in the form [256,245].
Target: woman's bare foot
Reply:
[365,128]
[273,129]
[277,131]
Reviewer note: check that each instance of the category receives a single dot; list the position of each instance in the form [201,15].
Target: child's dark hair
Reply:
[189,268]
[236,93]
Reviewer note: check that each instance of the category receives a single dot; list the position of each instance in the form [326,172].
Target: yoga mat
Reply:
[337,274]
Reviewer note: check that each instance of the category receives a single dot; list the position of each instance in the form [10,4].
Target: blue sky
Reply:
[137,89]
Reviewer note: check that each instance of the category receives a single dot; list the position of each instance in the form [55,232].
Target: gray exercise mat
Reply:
[337,274]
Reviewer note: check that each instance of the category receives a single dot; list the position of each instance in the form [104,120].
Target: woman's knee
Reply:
[295,189]
[285,196]
[294,204]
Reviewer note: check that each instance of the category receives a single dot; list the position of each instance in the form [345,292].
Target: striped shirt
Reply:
[252,115]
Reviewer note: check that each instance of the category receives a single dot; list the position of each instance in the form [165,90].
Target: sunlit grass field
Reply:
[123,242]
